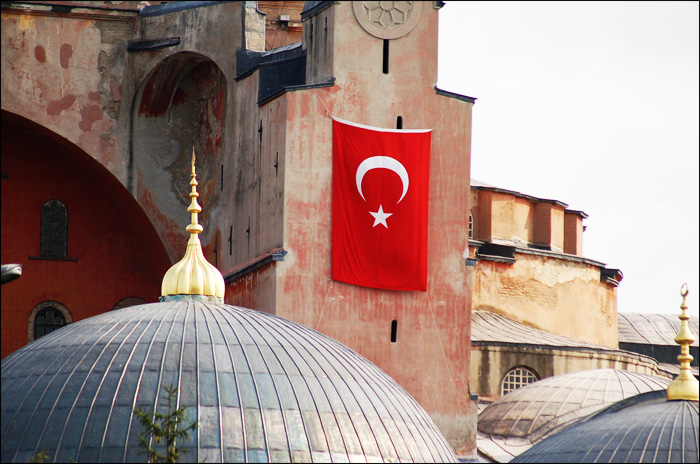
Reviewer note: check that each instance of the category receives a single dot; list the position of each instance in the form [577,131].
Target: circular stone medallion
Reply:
[387,20]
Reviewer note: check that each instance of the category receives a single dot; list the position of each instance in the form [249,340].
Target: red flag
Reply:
[380,206]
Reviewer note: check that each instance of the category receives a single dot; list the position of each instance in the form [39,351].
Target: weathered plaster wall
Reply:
[256,289]
[489,364]
[557,227]
[551,293]
[71,73]
[523,221]
[183,96]
[65,72]
[430,357]
[319,44]
[573,234]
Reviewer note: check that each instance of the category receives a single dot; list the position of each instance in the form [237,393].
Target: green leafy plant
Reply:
[165,428]
[41,456]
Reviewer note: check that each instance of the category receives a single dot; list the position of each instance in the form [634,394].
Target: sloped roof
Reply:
[478,183]
[672,370]
[488,327]
[653,329]
[312,8]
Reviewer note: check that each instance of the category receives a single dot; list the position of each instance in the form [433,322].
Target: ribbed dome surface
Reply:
[644,428]
[262,388]
[538,408]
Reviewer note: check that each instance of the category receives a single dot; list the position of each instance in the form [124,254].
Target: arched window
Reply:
[128,301]
[54,230]
[46,317]
[471,226]
[516,378]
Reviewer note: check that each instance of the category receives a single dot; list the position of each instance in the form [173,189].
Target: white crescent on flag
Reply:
[385,162]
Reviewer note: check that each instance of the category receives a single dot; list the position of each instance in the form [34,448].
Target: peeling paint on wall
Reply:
[55,107]
[66,53]
[40,54]
[90,114]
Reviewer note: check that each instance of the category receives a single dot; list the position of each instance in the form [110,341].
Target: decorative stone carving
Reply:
[387,20]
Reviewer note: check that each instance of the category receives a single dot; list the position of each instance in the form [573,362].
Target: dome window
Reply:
[516,378]
[46,317]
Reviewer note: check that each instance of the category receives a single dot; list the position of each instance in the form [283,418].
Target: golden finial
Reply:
[193,274]
[685,386]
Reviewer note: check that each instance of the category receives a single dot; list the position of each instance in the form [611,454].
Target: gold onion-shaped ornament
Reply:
[685,386]
[193,274]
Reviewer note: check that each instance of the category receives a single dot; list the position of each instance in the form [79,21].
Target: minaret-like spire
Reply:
[193,274]
[685,386]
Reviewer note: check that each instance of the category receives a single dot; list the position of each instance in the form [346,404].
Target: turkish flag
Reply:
[380,206]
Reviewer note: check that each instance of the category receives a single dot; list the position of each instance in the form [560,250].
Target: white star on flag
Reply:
[380,217]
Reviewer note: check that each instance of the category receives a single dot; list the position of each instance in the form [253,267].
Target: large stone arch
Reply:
[113,250]
[180,104]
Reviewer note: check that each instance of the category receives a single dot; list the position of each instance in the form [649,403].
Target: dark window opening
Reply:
[48,320]
[471,226]
[230,240]
[222,177]
[54,230]
[385,59]
[501,251]
[399,122]
[394,325]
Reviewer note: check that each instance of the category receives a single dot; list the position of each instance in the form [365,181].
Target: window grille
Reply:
[54,230]
[48,320]
[516,378]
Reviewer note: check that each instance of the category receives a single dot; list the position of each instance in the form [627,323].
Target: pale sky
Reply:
[594,104]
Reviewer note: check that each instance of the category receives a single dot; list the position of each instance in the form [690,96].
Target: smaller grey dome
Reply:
[511,425]
[536,409]
[644,428]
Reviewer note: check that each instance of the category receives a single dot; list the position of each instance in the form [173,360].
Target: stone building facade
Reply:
[125,91]
[540,308]
[529,266]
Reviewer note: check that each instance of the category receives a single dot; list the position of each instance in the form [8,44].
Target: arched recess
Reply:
[181,104]
[113,249]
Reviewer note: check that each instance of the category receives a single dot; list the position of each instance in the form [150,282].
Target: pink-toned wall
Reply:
[430,357]
[51,75]
[573,234]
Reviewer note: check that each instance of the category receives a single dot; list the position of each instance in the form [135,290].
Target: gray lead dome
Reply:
[643,428]
[262,389]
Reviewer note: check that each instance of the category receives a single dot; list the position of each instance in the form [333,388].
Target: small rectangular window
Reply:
[385,59]
[394,326]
